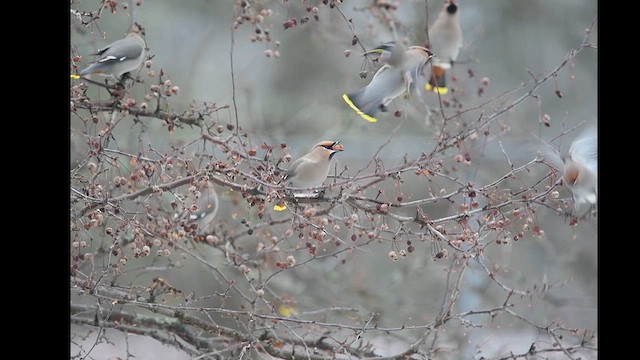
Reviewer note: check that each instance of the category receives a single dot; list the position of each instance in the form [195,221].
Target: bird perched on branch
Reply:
[579,167]
[445,39]
[397,76]
[201,206]
[119,57]
[310,170]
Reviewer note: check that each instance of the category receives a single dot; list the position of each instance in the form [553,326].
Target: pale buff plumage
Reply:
[579,168]
[445,40]
[311,170]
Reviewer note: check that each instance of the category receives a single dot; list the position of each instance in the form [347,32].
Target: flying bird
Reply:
[579,167]
[397,76]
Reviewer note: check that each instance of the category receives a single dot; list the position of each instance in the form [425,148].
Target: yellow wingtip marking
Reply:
[280,207]
[74,76]
[373,51]
[287,311]
[357,110]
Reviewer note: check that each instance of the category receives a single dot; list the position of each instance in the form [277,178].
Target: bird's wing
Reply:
[584,149]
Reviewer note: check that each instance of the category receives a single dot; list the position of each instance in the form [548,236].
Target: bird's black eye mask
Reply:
[332,146]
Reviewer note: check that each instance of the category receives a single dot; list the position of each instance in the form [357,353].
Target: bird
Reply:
[445,39]
[119,57]
[310,170]
[201,206]
[398,75]
[579,167]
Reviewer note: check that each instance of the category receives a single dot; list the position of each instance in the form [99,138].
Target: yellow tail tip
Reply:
[286,310]
[439,90]
[369,118]
[75,76]
[280,207]
[442,90]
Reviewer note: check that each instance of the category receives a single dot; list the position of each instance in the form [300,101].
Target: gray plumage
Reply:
[206,200]
[118,58]
[397,76]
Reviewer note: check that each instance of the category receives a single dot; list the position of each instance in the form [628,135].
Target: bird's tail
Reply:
[366,112]
[437,81]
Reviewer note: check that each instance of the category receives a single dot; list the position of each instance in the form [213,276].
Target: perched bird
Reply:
[445,39]
[201,206]
[579,167]
[398,75]
[310,170]
[117,58]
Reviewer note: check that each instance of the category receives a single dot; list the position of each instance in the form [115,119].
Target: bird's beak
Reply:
[431,54]
[337,146]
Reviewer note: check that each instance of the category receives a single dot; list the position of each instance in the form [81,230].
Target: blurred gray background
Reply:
[296,99]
